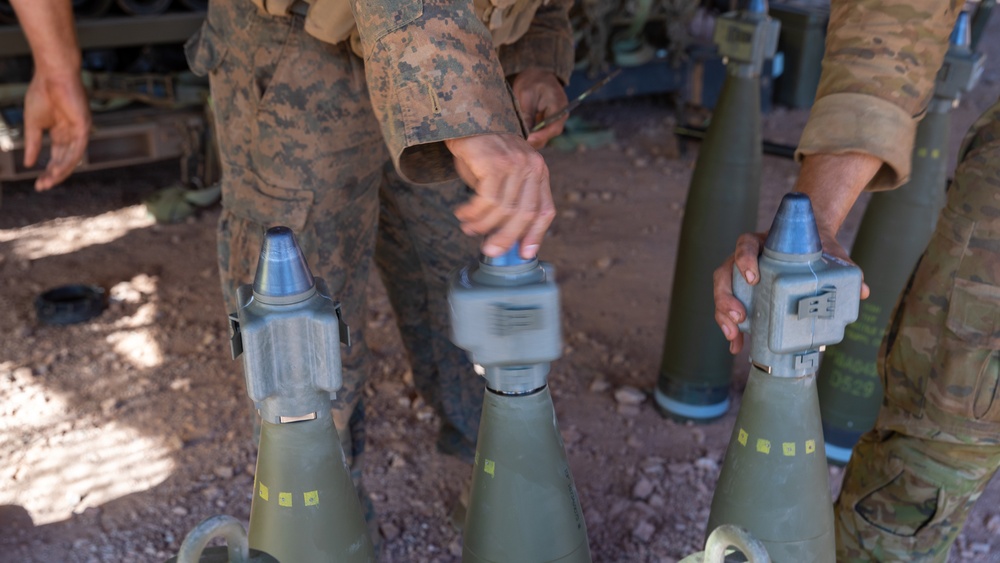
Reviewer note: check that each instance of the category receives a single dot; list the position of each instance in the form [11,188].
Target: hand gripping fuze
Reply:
[774,481]
[523,507]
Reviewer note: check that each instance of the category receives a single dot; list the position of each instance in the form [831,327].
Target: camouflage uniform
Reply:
[913,479]
[309,134]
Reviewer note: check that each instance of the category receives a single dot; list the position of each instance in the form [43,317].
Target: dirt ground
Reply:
[118,435]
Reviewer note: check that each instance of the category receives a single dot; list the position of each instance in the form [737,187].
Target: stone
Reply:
[643,531]
[389,531]
[629,396]
[642,489]
[599,385]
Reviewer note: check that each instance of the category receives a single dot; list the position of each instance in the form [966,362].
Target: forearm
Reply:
[48,26]
[881,60]
[433,75]
[833,182]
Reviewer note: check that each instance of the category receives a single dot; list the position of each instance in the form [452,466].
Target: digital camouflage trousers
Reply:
[913,479]
[300,147]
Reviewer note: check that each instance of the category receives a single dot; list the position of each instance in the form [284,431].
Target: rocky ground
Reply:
[118,435]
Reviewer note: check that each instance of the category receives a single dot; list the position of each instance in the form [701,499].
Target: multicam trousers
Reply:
[300,147]
[913,479]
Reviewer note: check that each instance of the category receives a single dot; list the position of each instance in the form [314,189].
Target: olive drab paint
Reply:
[523,506]
[722,204]
[288,330]
[774,481]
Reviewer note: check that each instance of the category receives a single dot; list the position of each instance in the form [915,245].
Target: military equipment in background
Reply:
[722,204]
[523,506]
[894,232]
[237,549]
[288,330]
[145,106]
[774,481]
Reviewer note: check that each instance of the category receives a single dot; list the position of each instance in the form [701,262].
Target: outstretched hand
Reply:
[513,201]
[56,103]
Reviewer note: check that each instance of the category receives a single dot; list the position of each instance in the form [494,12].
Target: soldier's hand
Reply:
[729,311]
[540,94]
[56,102]
[513,201]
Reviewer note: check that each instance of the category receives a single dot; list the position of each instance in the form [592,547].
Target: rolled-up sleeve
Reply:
[433,74]
[548,43]
[881,60]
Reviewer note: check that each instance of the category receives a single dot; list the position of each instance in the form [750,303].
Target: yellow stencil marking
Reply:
[263,491]
[742,438]
[285,499]
[763,446]
[788,448]
[922,152]
[810,446]
[311,498]
[489,467]
[936,153]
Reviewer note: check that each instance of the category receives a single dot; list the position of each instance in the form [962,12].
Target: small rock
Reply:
[599,385]
[223,472]
[644,531]
[699,435]
[403,402]
[455,548]
[425,415]
[634,442]
[993,524]
[22,373]
[389,531]
[604,262]
[706,464]
[570,435]
[569,214]
[657,501]
[618,359]
[397,462]
[640,162]
[109,405]
[182,384]
[642,489]
[652,466]
[179,511]
[574,196]
[981,548]
[628,410]
[628,395]
[607,196]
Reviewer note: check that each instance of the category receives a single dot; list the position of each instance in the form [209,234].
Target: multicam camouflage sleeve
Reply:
[878,74]
[433,74]
[547,44]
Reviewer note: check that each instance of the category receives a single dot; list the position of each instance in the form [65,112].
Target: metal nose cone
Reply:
[794,228]
[511,258]
[757,6]
[961,35]
[282,270]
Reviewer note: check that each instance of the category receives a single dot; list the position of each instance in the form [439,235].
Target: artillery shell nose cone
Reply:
[794,228]
[282,270]
[511,258]
[961,35]
[757,6]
